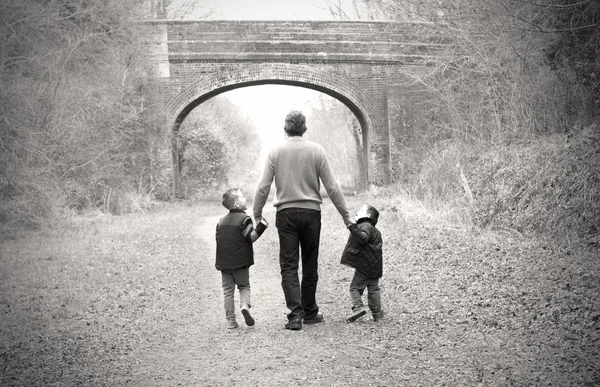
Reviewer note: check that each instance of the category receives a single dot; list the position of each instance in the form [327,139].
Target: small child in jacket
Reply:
[235,235]
[363,252]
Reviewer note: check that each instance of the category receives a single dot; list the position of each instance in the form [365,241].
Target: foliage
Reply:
[548,186]
[498,83]
[519,79]
[74,131]
[575,49]
[515,68]
[219,147]
[330,119]
[204,165]
[173,9]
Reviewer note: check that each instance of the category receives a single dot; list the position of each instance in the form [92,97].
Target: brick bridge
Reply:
[369,66]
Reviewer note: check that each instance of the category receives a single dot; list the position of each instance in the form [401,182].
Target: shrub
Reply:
[547,185]
[204,166]
[74,128]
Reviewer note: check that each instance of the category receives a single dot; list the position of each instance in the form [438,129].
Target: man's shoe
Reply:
[356,314]
[231,323]
[317,319]
[294,324]
[247,317]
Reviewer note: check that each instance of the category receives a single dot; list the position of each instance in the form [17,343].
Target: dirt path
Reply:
[200,351]
[136,301]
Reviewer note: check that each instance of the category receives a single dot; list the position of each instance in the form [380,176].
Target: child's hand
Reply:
[262,226]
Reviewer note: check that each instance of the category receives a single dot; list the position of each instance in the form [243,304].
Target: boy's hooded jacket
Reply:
[363,251]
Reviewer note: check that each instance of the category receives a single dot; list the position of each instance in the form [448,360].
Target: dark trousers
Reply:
[299,232]
[357,288]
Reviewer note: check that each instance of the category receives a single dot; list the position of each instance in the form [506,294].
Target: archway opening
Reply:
[332,120]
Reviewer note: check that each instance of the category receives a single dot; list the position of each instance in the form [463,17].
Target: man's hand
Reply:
[261,226]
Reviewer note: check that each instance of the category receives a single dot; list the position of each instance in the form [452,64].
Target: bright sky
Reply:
[266,9]
[268,105]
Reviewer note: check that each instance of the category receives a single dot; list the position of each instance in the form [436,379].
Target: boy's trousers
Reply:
[241,278]
[357,287]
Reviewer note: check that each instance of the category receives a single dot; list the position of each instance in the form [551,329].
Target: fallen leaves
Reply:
[138,301]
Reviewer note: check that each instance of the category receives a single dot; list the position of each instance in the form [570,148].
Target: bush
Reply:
[547,185]
[543,185]
[204,166]
[74,127]
[218,147]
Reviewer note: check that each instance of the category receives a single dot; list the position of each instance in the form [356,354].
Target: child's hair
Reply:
[230,196]
[372,213]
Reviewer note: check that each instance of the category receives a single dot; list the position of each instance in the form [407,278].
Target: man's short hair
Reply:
[295,123]
[230,197]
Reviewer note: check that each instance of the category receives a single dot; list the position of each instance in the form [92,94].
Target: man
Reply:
[298,167]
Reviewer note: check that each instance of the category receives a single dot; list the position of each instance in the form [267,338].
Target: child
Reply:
[363,253]
[235,235]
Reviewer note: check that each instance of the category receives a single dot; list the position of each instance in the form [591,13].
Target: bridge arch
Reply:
[206,87]
[373,67]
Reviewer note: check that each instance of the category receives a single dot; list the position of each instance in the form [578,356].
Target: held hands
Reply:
[261,226]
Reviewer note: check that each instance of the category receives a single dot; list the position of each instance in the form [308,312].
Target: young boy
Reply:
[235,235]
[363,253]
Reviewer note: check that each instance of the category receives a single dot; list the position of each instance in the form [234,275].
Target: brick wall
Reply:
[411,109]
[356,62]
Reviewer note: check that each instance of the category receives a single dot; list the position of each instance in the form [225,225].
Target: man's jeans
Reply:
[241,278]
[357,287]
[299,232]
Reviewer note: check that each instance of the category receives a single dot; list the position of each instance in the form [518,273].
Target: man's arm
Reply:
[333,190]
[263,189]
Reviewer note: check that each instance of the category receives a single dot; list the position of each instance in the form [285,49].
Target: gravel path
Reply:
[135,300]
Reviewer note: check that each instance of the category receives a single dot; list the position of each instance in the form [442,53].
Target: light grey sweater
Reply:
[298,167]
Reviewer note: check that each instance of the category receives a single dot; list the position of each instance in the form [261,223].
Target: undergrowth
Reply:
[543,185]
[548,185]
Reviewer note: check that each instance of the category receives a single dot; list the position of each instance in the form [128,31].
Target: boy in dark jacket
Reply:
[363,252]
[235,235]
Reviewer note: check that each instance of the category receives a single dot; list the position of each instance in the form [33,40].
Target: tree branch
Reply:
[558,6]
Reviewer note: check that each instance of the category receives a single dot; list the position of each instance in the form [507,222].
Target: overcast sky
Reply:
[264,9]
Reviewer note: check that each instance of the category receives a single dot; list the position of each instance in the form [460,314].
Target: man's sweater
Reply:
[298,167]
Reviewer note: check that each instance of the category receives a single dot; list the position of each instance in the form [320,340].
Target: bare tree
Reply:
[73,128]
[180,9]
[515,66]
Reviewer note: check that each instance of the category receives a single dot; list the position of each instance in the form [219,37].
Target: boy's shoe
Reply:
[231,323]
[356,314]
[247,317]
[294,324]
[378,316]
[317,319]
